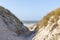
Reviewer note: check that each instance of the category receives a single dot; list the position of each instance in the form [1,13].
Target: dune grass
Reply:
[45,19]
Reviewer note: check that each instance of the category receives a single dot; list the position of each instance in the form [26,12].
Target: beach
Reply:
[29,24]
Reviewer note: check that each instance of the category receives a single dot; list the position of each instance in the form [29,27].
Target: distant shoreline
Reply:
[28,22]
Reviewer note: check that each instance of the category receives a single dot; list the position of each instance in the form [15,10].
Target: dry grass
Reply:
[50,32]
[43,22]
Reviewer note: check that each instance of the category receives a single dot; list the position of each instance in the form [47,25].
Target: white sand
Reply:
[29,24]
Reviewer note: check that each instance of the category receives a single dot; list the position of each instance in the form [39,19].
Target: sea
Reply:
[29,23]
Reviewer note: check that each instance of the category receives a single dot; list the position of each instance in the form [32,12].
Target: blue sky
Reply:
[30,9]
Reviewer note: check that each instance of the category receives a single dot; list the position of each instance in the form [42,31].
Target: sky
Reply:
[30,9]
